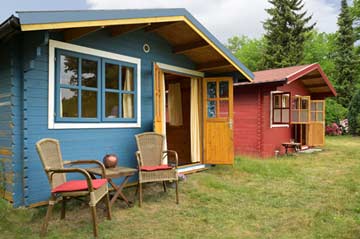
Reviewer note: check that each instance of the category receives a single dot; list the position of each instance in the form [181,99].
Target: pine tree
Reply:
[345,57]
[286,31]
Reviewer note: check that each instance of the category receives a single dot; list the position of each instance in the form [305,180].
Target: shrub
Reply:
[334,112]
[333,129]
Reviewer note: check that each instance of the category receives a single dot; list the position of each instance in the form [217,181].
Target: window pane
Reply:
[69,103]
[295,116]
[285,116]
[304,116]
[68,70]
[313,106]
[304,104]
[112,105]
[89,73]
[211,89]
[277,117]
[295,103]
[224,89]
[320,116]
[224,109]
[128,106]
[313,116]
[88,104]
[111,76]
[285,100]
[320,106]
[277,101]
[211,109]
[127,78]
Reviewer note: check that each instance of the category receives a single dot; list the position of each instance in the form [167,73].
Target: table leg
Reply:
[118,190]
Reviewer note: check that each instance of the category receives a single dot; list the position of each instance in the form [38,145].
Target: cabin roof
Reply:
[187,35]
[311,75]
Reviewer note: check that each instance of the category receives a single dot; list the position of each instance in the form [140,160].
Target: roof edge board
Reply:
[95,23]
[185,17]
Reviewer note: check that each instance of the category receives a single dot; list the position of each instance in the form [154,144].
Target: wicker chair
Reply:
[97,189]
[149,156]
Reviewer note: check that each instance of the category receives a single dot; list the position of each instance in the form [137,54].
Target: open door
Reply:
[159,98]
[218,120]
[316,129]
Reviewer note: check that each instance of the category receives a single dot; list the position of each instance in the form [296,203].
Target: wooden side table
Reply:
[116,172]
[293,145]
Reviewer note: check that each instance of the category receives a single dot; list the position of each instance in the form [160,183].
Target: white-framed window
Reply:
[90,88]
[279,109]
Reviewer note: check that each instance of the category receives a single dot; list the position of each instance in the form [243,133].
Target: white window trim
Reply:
[177,69]
[53,44]
[271,112]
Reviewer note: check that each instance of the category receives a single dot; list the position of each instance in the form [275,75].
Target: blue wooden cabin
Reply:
[93,79]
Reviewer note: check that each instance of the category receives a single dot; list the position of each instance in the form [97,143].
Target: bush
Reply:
[333,129]
[334,112]
[354,114]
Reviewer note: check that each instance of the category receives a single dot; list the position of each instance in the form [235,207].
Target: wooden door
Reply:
[159,105]
[316,129]
[218,120]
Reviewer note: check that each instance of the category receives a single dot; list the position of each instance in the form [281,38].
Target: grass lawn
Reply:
[303,196]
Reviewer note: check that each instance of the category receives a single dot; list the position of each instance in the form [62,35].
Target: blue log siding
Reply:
[82,143]
[11,166]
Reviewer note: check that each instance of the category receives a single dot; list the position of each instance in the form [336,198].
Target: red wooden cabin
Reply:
[278,106]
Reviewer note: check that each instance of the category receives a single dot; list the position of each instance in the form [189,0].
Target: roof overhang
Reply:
[314,80]
[204,49]
[280,82]
[9,28]
[311,76]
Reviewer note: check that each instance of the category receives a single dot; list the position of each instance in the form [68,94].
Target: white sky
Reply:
[227,18]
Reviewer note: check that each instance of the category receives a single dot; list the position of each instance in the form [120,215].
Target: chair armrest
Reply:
[138,158]
[53,171]
[89,161]
[174,153]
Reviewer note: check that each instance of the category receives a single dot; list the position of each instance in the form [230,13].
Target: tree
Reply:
[354,114]
[248,51]
[345,56]
[285,33]
[355,12]
[320,47]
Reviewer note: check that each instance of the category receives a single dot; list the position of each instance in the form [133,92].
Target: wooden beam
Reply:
[315,85]
[181,49]
[319,89]
[158,26]
[212,65]
[76,33]
[307,78]
[122,29]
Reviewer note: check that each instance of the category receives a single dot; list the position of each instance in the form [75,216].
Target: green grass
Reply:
[303,196]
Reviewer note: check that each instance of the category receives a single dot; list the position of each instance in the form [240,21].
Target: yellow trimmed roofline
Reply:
[64,25]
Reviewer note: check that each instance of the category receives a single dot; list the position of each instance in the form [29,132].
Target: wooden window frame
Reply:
[316,111]
[54,119]
[300,110]
[281,108]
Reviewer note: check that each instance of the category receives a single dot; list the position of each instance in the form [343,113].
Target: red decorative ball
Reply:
[110,161]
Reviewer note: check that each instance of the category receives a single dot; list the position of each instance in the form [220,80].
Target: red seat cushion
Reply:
[154,168]
[78,185]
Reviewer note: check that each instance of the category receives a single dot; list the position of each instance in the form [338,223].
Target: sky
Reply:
[223,18]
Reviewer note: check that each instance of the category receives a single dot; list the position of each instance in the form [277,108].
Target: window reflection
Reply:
[69,103]
[68,70]
[89,73]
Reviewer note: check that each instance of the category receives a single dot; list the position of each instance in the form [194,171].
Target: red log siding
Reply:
[252,133]
[246,122]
